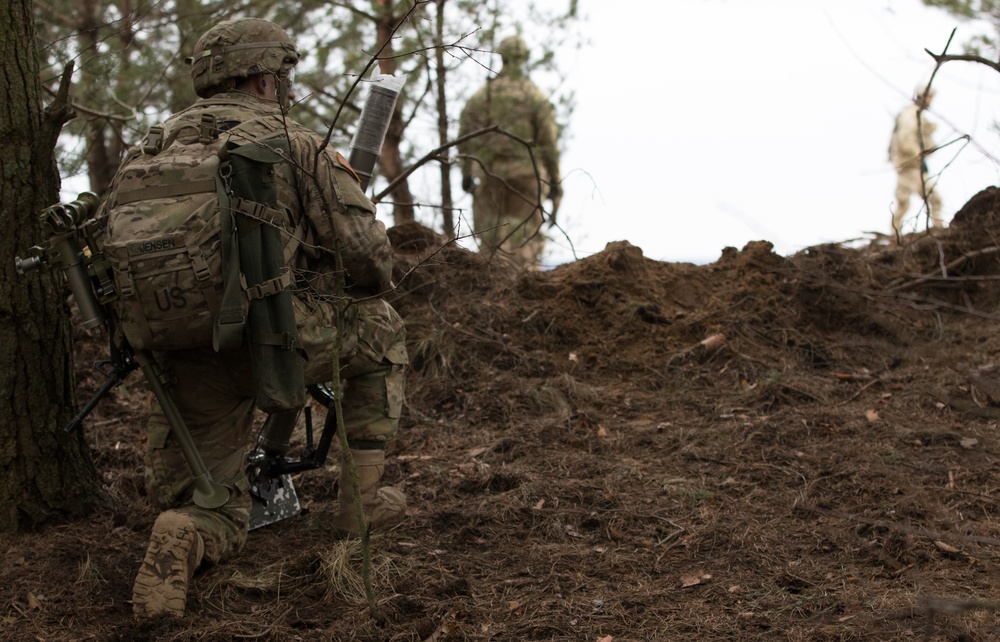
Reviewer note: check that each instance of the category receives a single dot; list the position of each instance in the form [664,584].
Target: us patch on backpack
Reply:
[163,239]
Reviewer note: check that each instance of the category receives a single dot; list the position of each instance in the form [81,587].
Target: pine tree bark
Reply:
[45,474]
[391,160]
[447,207]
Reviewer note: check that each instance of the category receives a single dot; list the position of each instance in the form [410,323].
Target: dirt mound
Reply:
[762,448]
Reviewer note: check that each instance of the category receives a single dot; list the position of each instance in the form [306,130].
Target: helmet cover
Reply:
[236,49]
[513,50]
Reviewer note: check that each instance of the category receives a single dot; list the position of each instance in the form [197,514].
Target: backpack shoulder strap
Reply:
[227,333]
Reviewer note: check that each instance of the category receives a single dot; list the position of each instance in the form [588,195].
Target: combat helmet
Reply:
[236,49]
[513,50]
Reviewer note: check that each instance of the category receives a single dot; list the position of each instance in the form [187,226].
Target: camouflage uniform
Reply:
[335,225]
[498,169]
[905,149]
[214,391]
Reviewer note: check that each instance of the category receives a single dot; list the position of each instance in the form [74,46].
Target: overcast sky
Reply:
[702,124]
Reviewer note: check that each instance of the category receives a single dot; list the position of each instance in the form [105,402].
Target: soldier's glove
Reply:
[555,195]
[467,184]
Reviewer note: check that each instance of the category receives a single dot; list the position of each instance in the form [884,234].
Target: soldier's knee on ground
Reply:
[224,529]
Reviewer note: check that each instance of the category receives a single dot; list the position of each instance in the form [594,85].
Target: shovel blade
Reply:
[278,503]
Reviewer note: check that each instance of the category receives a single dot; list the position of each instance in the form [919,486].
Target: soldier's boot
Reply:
[383,507]
[175,551]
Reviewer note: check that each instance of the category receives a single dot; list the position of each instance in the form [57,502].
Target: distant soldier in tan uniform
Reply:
[909,144]
[241,72]
[507,187]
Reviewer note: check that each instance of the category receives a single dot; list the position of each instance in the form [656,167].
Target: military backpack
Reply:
[199,252]
[164,241]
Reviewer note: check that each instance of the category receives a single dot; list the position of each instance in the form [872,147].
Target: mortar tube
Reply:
[72,260]
[363,163]
[276,434]
[373,124]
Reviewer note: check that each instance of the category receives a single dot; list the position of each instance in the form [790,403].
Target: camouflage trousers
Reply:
[507,219]
[912,181]
[215,395]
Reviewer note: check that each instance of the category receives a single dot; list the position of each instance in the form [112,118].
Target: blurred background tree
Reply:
[988,10]
[131,73]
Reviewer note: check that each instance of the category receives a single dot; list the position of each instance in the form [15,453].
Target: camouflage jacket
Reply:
[518,106]
[905,145]
[318,191]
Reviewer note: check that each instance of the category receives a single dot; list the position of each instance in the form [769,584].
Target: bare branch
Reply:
[940,59]
[430,156]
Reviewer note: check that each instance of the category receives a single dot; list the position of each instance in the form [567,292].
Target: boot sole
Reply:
[161,585]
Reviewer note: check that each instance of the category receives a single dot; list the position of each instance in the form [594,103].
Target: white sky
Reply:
[702,124]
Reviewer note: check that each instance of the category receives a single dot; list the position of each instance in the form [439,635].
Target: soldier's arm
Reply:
[907,143]
[465,127]
[927,129]
[344,218]
[547,138]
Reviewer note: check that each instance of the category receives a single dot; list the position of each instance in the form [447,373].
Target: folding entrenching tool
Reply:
[273,499]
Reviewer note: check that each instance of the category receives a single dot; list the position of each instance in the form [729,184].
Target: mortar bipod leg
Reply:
[207,493]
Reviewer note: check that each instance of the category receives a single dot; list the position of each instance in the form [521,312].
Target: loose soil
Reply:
[762,448]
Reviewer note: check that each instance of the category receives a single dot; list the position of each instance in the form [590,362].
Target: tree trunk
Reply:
[45,474]
[391,160]
[447,207]
[100,166]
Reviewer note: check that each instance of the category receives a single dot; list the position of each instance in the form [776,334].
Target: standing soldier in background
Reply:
[912,140]
[506,184]
[241,70]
